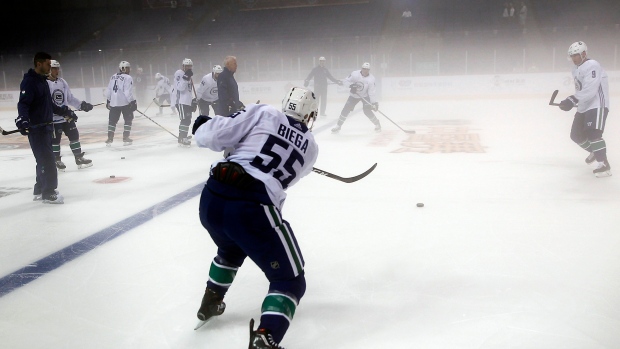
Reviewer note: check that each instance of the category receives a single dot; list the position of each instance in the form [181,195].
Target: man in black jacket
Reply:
[227,89]
[321,74]
[36,112]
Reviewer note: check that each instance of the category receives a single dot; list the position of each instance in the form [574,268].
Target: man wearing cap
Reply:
[320,75]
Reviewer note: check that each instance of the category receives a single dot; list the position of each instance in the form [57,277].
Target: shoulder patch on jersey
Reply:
[297,124]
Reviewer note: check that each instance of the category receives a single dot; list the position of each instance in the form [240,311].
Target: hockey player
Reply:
[120,99]
[362,88]
[592,101]
[241,205]
[62,96]
[320,75]
[207,91]
[183,88]
[162,93]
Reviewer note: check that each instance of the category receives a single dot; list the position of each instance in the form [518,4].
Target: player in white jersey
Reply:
[120,100]
[183,98]
[207,91]
[162,93]
[62,96]
[362,88]
[241,204]
[592,101]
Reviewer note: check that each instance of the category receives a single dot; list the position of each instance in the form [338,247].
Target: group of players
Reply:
[270,150]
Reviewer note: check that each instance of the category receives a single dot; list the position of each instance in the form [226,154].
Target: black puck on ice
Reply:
[419,204]
[112,176]
[123,158]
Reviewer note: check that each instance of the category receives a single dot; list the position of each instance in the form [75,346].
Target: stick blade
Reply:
[551,101]
[345,179]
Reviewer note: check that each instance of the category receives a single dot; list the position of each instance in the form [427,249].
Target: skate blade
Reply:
[603,174]
[184,146]
[60,169]
[202,323]
[85,166]
[108,144]
[127,143]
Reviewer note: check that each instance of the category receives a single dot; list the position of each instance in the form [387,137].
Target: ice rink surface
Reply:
[517,246]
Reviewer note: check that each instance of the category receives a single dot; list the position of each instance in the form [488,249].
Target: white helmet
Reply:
[55,64]
[321,58]
[577,48]
[217,69]
[158,76]
[300,104]
[188,61]
[123,65]
[366,65]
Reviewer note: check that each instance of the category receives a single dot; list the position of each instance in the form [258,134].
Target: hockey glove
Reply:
[353,88]
[107,104]
[188,75]
[339,82]
[199,121]
[306,82]
[86,106]
[569,103]
[133,105]
[375,106]
[22,124]
[71,116]
[240,106]
[194,104]
[64,111]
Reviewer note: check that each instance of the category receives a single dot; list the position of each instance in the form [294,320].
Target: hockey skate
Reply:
[39,197]
[127,141]
[378,128]
[261,338]
[590,159]
[55,198]
[336,129]
[108,143]
[212,305]
[185,142]
[603,170]
[81,162]
[60,165]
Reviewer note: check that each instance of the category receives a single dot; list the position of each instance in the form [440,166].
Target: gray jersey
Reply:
[591,86]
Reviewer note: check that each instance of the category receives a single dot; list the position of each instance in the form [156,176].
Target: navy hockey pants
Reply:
[41,145]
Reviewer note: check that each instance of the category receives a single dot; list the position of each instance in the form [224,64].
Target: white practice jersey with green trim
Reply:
[591,86]
[120,90]
[61,95]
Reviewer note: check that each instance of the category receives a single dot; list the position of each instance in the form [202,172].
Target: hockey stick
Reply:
[552,100]
[345,179]
[406,131]
[160,105]
[163,128]
[4,132]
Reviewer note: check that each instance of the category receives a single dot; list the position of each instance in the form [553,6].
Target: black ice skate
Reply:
[108,143]
[336,129]
[60,165]
[55,198]
[378,128]
[127,141]
[81,162]
[603,170]
[590,159]
[212,305]
[261,339]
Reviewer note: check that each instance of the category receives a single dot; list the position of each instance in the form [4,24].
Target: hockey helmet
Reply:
[577,48]
[366,65]
[217,69]
[158,76]
[55,64]
[321,58]
[124,66]
[300,104]
[188,61]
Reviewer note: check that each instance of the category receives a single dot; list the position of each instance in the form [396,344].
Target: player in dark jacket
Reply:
[36,112]
[320,75]
[227,89]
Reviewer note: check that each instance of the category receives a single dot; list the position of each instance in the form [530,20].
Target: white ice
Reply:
[518,245]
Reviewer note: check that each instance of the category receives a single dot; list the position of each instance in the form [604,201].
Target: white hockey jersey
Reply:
[365,85]
[163,87]
[591,86]
[272,147]
[208,88]
[182,89]
[61,95]
[120,90]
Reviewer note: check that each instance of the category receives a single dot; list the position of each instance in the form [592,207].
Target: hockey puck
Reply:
[123,158]
[112,176]
[419,204]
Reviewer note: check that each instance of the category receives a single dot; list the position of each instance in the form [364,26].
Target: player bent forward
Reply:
[592,101]
[242,201]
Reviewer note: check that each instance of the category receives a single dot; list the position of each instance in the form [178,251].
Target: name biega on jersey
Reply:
[294,137]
